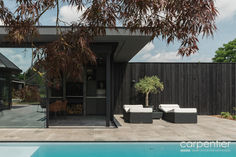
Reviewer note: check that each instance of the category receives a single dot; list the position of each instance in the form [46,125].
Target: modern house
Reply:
[106,87]
[7,69]
[94,95]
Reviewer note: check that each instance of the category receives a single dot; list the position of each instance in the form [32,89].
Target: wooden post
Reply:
[47,106]
[84,90]
[108,89]
[8,81]
[112,91]
[64,86]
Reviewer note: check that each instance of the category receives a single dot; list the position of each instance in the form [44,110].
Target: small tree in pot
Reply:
[149,85]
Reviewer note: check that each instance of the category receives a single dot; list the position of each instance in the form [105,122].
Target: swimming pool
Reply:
[117,149]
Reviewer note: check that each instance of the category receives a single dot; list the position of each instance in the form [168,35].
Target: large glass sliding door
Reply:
[89,96]
[84,97]
[96,88]
[70,96]
[74,97]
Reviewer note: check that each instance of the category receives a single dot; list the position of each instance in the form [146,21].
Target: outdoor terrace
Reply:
[207,128]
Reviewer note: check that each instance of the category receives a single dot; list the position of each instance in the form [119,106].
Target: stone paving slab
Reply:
[23,116]
[208,128]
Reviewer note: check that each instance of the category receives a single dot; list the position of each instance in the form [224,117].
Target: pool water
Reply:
[112,149]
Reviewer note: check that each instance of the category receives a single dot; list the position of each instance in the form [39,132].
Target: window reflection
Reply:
[4,93]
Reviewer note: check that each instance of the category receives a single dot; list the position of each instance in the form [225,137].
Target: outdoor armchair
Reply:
[173,113]
[137,114]
[58,107]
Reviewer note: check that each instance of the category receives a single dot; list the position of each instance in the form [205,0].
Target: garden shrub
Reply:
[225,115]
[27,94]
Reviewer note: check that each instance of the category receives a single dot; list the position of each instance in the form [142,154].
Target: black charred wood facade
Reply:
[209,87]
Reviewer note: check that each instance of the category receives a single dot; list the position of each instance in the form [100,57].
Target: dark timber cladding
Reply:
[210,87]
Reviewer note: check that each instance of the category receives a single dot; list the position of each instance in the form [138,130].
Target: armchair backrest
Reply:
[133,106]
[168,107]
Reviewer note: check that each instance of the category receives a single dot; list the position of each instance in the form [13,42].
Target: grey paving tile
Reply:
[208,128]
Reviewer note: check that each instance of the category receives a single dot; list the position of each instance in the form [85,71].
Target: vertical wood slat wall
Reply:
[210,87]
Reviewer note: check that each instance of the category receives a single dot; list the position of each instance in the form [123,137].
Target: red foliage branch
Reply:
[171,20]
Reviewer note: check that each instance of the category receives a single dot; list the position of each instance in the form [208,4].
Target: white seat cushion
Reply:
[126,109]
[140,110]
[133,106]
[168,107]
[184,110]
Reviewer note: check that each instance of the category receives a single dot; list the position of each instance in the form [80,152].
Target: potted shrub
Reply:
[149,85]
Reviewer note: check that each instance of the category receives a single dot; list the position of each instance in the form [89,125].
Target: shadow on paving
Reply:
[23,116]
[88,121]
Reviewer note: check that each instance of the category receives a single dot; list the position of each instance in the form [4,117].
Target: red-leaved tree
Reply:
[171,20]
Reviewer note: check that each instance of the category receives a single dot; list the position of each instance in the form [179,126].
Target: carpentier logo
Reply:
[198,146]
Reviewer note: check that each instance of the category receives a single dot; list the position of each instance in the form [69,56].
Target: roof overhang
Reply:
[6,65]
[128,44]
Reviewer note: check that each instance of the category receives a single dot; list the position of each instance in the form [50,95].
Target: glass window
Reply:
[96,79]
[57,92]
[74,89]
[4,93]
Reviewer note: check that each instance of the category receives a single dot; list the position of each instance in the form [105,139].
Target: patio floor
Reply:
[23,116]
[208,128]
